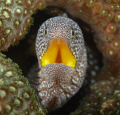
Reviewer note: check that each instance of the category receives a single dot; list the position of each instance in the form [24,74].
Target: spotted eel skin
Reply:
[56,83]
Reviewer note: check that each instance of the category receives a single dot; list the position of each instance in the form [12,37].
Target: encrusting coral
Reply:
[104,99]
[15,18]
[16,94]
[104,18]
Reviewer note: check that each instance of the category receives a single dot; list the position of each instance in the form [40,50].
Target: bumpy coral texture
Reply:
[16,94]
[104,18]
[15,18]
[104,99]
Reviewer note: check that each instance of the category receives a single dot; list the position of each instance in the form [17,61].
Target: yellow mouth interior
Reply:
[58,52]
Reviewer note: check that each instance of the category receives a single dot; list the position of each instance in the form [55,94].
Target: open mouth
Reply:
[58,52]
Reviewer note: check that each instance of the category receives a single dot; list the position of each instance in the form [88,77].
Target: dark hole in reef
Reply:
[24,55]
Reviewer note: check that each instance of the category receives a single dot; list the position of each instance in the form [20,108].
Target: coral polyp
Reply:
[16,94]
[15,18]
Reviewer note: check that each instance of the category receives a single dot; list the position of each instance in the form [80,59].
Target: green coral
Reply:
[16,94]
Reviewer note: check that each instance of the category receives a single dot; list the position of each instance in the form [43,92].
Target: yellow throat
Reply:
[58,52]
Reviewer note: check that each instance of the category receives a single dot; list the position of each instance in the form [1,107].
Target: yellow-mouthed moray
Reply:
[62,61]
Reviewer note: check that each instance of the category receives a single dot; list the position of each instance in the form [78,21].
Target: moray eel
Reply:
[62,61]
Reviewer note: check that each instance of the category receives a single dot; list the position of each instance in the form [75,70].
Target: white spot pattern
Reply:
[57,83]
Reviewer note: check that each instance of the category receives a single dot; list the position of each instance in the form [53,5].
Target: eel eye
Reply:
[46,32]
[72,34]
